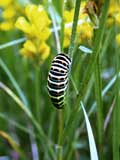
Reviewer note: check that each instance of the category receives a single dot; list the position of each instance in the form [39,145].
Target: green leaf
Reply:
[93,149]
[58,6]
[14,82]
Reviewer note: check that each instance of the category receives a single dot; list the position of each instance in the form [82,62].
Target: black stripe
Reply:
[64,63]
[55,94]
[55,100]
[64,55]
[56,79]
[58,64]
[60,106]
[58,86]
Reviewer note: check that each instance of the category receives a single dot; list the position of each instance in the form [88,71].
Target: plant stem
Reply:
[60,147]
[37,92]
[56,34]
[12,43]
[98,95]
[74,28]
[62,26]
[96,49]
[116,111]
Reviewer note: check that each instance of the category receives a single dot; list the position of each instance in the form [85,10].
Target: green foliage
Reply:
[26,112]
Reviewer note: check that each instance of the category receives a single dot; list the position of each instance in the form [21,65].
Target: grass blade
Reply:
[116,111]
[96,49]
[74,28]
[29,114]
[12,43]
[98,95]
[93,149]
[15,84]
[13,144]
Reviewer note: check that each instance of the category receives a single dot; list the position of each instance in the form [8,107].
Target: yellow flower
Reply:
[4,3]
[84,30]
[44,51]
[118,39]
[29,49]
[23,25]
[114,13]
[30,46]
[36,28]
[37,24]
[7,25]
[68,15]
[10,11]
[35,50]
[67,34]
[118,18]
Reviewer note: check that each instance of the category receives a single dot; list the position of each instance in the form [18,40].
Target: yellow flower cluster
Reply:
[114,13]
[84,29]
[36,28]
[10,11]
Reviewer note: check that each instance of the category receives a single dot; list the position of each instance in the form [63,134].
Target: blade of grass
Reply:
[96,49]
[116,111]
[37,93]
[104,91]
[29,114]
[93,149]
[58,6]
[57,40]
[74,28]
[13,144]
[14,82]
[12,43]
[98,95]
[14,123]
[16,99]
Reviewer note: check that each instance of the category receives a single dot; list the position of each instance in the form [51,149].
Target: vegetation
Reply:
[32,33]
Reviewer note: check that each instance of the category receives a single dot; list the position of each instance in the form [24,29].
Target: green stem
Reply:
[14,82]
[62,26]
[74,28]
[12,43]
[116,113]
[98,95]
[56,34]
[37,92]
[96,49]
[60,147]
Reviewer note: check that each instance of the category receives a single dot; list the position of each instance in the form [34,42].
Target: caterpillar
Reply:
[58,79]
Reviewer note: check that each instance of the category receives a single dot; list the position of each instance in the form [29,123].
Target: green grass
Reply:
[26,112]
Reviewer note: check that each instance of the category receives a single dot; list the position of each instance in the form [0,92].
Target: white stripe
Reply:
[67,65]
[60,65]
[58,77]
[58,68]
[57,97]
[57,90]
[67,59]
[58,83]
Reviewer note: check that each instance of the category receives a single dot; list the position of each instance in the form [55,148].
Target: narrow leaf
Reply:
[93,149]
[85,49]
[58,6]
[12,142]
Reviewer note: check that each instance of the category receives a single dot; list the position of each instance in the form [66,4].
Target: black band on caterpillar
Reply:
[58,79]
